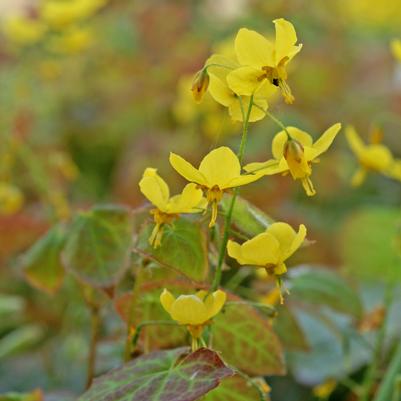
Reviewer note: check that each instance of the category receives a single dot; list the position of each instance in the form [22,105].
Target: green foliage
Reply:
[242,335]
[369,244]
[162,376]
[98,247]
[183,249]
[42,263]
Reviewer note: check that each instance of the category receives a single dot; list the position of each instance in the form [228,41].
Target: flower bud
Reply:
[200,85]
[295,157]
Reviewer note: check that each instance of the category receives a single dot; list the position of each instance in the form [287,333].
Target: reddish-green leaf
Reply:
[183,248]
[235,388]
[98,246]
[41,263]
[247,341]
[161,376]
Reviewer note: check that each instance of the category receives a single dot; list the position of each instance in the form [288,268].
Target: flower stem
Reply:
[95,331]
[227,222]
[278,122]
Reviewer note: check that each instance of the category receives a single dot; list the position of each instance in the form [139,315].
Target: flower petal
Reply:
[354,141]
[219,167]
[220,91]
[253,49]
[281,138]
[297,241]
[189,309]
[286,38]
[269,167]
[187,170]
[167,300]
[242,180]
[154,188]
[187,201]
[214,302]
[245,81]
[326,139]
[257,111]
[220,65]
[284,234]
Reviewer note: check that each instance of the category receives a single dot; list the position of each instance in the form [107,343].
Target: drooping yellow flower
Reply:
[373,157]
[396,48]
[23,31]
[219,171]
[168,208]
[262,60]
[59,14]
[295,154]
[11,199]
[219,68]
[269,249]
[200,85]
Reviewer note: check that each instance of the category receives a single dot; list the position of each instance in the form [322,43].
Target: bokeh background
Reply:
[86,103]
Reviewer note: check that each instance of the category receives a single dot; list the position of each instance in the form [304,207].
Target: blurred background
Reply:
[92,92]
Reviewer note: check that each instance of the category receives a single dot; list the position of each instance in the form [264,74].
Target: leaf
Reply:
[144,305]
[322,287]
[183,249]
[234,388]
[35,395]
[41,263]
[246,217]
[161,376]
[98,246]
[290,333]
[369,244]
[247,341]
[20,339]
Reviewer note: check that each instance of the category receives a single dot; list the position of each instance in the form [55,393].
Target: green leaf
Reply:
[20,339]
[246,217]
[290,333]
[322,287]
[42,264]
[247,341]
[234,388]
[369,244]
[183,249]
[98,247]
[35,395]
[161,376]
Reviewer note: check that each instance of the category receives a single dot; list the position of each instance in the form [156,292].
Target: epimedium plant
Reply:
[174,254]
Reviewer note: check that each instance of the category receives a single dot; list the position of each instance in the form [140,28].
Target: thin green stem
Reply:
[95,331]
[371,374]
[227,223]
[278,122]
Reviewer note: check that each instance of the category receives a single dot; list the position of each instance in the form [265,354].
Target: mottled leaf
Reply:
[234,388]
[161,376]
[322,287]
[183,248]
[246,217]
[247,341]
[98,246]
[369,244]
[42,262]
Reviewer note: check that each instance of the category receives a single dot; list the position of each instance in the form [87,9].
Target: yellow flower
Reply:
[262,60]
[219,68]
[373,157]
[59,14]
[72,41]
[168,208]
[200,85]
[23,31]
[296,155]
[194,311]
[324,389]
[269,249]
[219,171]
[396,48]
[11,199]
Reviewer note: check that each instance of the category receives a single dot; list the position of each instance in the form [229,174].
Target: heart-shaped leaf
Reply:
[171,375]
[42,263]
[246,340]
[98,247]
[246,217]
[183,248]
